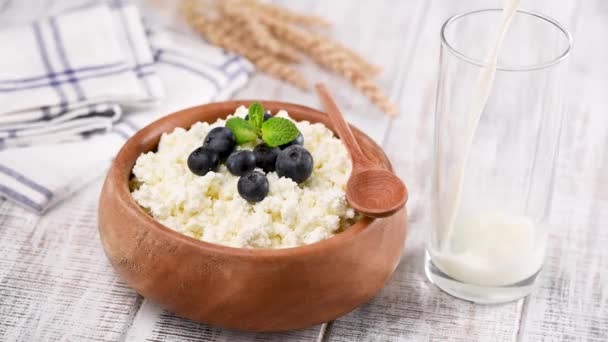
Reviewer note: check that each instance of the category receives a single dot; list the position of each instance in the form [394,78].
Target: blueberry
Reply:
[294,162]
[203,160]
[266,156]
[221,140]
[267,116]
[299,140]
[253,186]
[241,162]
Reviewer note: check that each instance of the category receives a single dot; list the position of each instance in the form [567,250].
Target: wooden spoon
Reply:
[371,190]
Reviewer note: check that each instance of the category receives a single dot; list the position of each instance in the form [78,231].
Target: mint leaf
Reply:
[256,115]
[278,131]
[242,130]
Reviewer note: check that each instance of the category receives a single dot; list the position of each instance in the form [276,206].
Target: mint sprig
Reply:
[242,130]
[256,115]
[278,131]
[274,131]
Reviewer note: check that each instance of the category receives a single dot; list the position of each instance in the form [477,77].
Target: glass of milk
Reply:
[497,125]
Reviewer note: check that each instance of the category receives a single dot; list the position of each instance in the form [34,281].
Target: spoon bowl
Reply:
[371,190]
[362,192]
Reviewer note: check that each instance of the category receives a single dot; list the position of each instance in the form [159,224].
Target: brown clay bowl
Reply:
[245,289]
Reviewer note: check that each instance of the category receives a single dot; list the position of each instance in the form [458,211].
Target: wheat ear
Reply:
[258,32]
[327,53]
[282,14]
[224,34]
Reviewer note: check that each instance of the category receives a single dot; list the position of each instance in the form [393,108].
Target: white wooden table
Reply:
[56,284]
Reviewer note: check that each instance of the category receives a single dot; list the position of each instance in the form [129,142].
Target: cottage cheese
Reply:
[210,208]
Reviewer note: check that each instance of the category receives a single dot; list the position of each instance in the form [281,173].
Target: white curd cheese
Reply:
[210,208]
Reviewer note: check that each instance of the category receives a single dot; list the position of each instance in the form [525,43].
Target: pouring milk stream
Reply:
[478,246]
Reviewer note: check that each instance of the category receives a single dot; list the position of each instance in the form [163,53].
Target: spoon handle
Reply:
[340,125]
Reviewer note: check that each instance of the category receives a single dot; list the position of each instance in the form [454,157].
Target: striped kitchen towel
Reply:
[73,73]
[58,92]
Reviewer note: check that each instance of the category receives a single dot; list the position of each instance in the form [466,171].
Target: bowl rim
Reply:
[131,207]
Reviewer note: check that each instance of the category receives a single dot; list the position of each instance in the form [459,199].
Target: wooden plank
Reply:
[55,281]
[571,302]
[410,308]
[152,323]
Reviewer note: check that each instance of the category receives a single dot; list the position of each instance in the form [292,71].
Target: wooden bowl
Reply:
[245,289]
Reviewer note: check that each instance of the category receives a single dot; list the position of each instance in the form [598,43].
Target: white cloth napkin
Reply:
[186,69]
[72,73]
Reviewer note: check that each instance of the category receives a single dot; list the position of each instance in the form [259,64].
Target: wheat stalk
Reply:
[336,58]
[283,14]
[266,35]
[223,34]
[326,52]
[258,32]
[374,94]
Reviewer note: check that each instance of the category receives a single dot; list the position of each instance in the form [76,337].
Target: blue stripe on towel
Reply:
[20,198]
[229,61]
[108,70]
[63,73]
[47,64]
[26,181]
[64,59]
[123,21]
[141,72]
[46,113]
[238,72]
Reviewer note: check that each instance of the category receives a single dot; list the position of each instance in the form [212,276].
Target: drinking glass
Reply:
[493,180]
